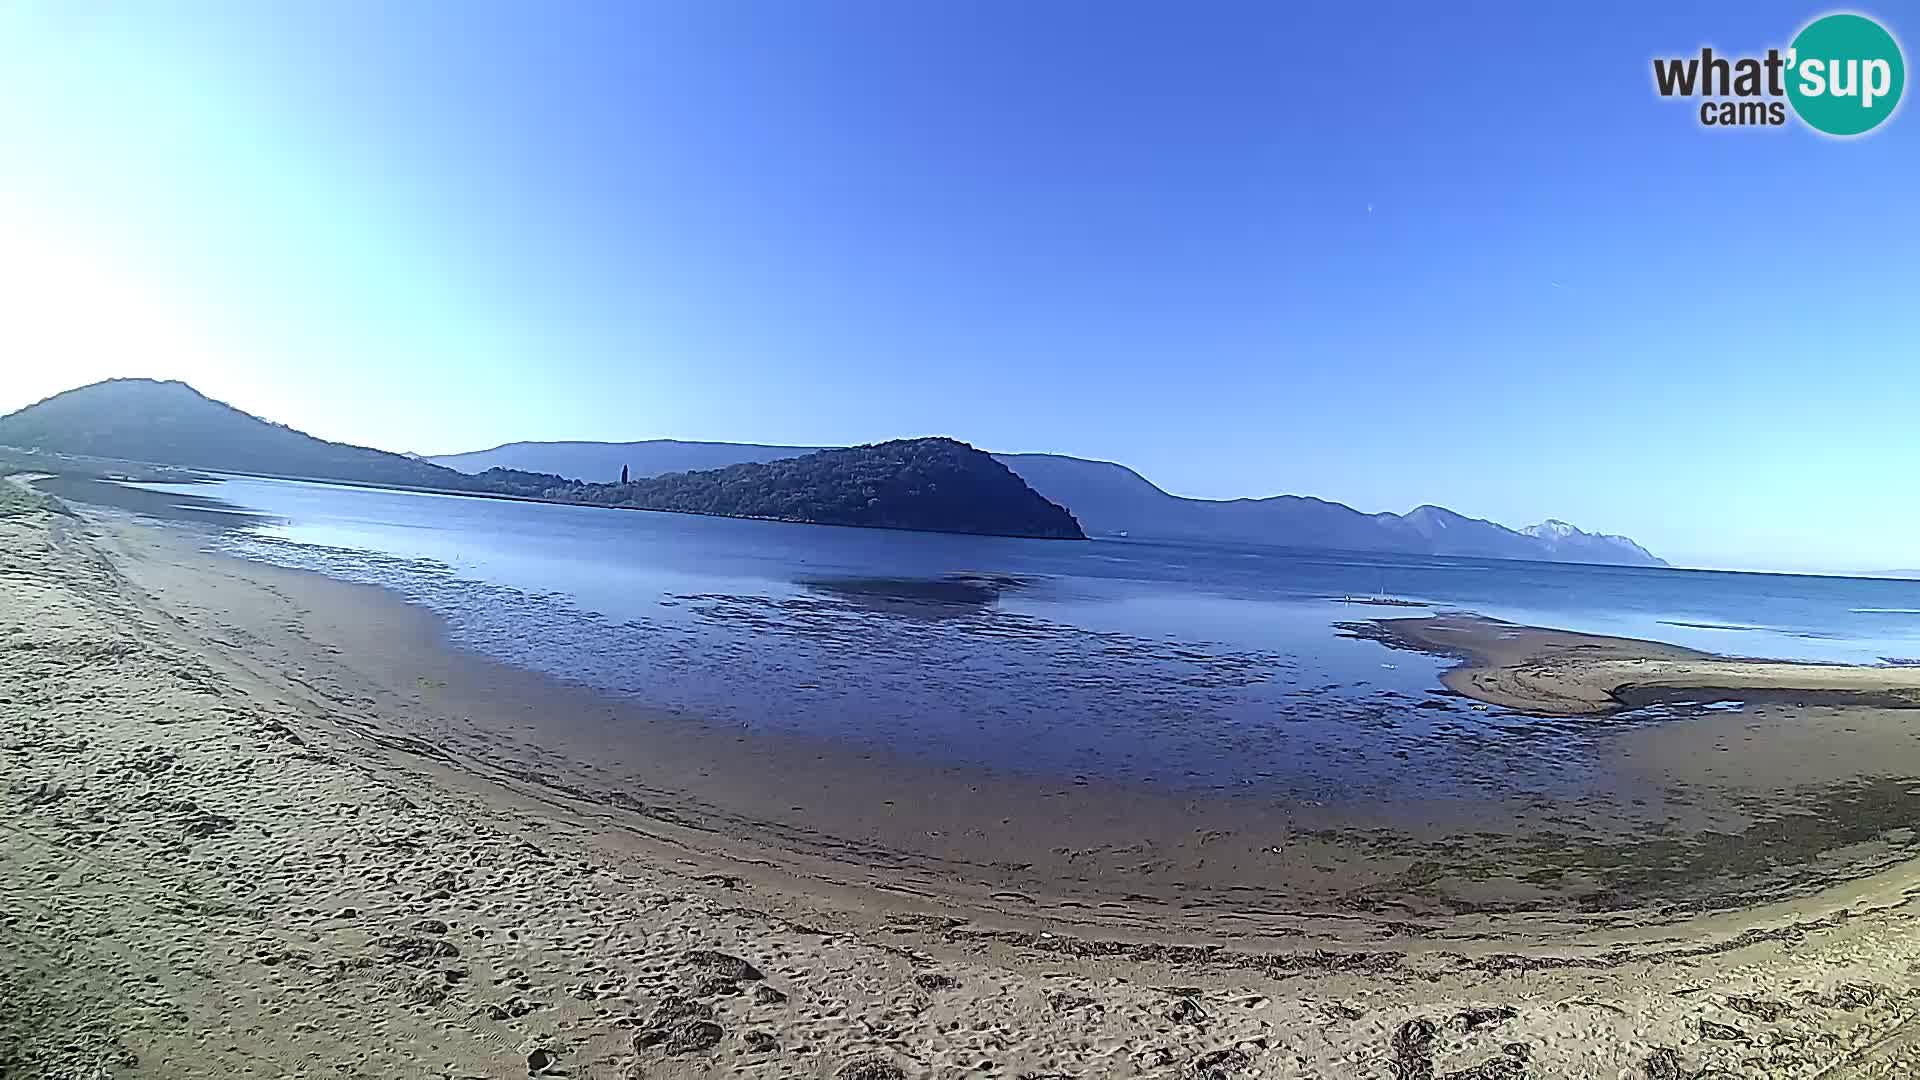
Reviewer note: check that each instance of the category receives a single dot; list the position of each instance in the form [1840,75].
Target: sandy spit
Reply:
[215,865]
[1555,672]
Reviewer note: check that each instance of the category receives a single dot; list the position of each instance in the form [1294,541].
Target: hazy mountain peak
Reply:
[1566,541]
[169,422]
[1553,527]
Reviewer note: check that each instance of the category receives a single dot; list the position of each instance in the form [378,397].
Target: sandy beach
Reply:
[260,823]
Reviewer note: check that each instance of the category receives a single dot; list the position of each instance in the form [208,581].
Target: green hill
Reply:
[938,485]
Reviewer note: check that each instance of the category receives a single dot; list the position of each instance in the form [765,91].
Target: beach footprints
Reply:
[935,981]
[1413,1049]
[870,1067]
[1477,1017]
[1221,1064]
[760,1042]
[1665,1063]
[680,1024]
[411,949]
[716,974]
[1186,1010]
[1511,1064]
[712,964]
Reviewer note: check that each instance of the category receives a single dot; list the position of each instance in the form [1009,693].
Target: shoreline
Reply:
[218,730]
[1552,672]
[1042,849]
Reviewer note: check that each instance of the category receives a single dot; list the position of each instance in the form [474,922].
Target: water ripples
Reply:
[938,671]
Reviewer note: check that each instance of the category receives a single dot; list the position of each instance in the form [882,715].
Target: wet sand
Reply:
[259,822]
[1658,838]
[1553,672]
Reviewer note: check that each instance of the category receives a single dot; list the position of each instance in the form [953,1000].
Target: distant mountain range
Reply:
[936,484]
[1110,499]
[933,484]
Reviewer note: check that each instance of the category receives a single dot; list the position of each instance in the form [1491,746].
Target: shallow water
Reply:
[1174,666]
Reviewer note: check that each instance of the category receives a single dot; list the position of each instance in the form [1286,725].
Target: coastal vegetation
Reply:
[936,484]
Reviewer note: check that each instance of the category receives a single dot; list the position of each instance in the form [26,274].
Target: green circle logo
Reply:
[1845,74]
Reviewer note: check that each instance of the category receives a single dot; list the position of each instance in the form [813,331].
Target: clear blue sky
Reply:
[1388,254]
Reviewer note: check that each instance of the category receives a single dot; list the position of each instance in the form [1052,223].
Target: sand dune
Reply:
[220,859]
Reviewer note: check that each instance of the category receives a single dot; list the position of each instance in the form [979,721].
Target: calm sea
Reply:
[1204,667]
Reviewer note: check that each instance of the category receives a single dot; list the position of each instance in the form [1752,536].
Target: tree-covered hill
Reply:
[935,484]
